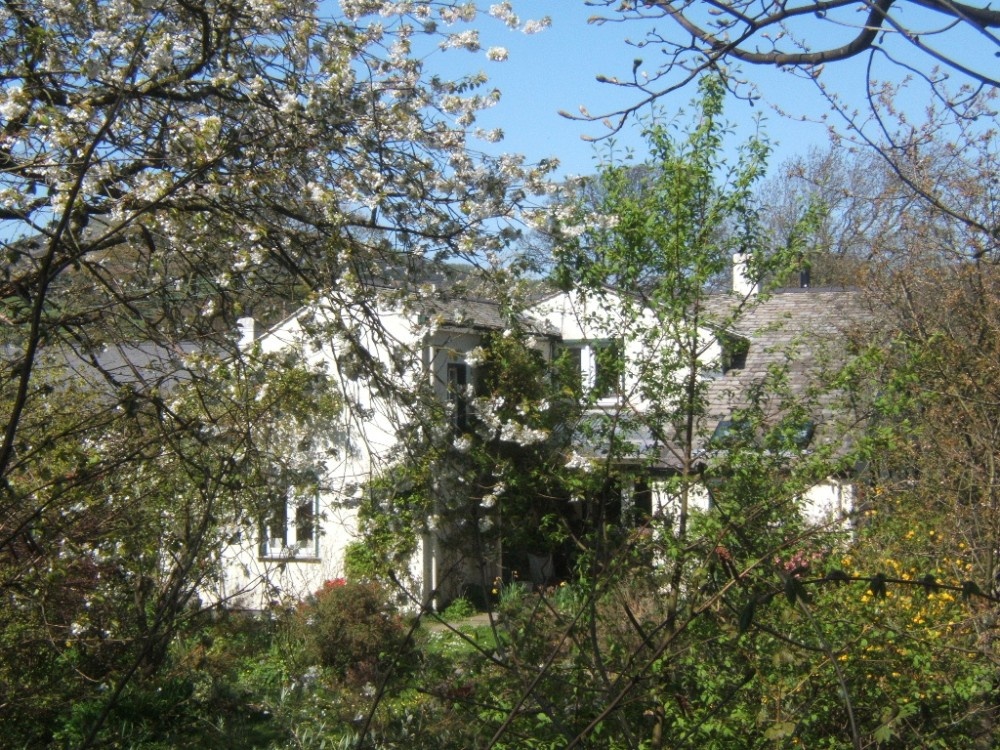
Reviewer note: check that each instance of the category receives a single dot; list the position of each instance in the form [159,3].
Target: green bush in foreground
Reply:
[352,629]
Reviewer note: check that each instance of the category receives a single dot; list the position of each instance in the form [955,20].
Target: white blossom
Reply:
[533,27]
[580,462]
[475,356]
[504,12]
[467,39]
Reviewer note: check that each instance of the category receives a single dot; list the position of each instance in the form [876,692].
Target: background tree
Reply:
[937,365]
[834,208]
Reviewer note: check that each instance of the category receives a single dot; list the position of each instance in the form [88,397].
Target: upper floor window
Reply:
[608,369]
[791,434]
[732,433]
[288,527]
[595,368]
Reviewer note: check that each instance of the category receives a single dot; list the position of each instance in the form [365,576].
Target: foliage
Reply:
[935,368]
[133,509]
[459,609]
[352,629]
[167,169]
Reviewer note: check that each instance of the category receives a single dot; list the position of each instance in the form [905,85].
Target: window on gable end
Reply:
[288,527]
[274,526]
[305,524]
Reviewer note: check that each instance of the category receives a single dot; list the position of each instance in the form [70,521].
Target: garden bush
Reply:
[353,629]
[459,609]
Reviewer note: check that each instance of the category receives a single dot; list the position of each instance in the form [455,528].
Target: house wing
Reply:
[796,341]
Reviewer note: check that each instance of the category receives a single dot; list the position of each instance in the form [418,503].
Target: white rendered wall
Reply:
[370,425]
[600,317]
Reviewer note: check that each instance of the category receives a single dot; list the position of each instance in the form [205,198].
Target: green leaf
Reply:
[883,733]
[780,730]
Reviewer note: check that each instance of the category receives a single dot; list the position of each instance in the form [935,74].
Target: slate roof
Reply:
[804,335]
[139,365]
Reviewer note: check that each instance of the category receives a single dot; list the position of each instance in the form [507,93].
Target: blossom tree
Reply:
[167,169]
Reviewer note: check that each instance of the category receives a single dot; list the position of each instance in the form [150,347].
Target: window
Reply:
[791,435]
[642,502]
[608,366]
[734,352]
[288,528]
[802,434]
[594,368]
[458,394]
[731,433]
[573,358]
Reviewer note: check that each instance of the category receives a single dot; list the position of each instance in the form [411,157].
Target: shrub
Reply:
[352,629]
[459,609]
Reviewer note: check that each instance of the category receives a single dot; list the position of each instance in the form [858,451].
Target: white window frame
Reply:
[588,349]
[288,545]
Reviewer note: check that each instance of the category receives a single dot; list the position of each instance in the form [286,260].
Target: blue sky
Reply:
[557,70]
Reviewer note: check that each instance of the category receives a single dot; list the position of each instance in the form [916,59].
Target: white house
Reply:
[426,346]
